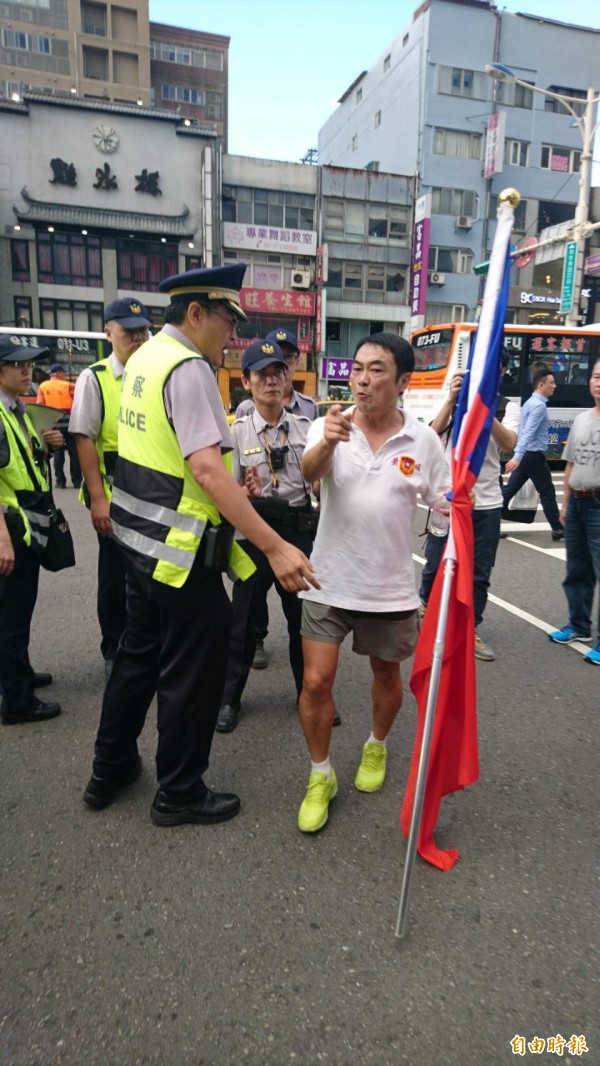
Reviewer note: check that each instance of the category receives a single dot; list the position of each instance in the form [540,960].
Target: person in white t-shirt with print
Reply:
[372,462]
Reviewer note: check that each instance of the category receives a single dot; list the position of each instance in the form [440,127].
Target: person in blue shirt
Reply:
[529,460]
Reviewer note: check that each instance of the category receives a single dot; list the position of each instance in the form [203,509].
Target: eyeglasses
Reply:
[231,320]
[18,364]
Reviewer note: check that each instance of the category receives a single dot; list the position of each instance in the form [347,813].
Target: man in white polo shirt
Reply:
[373,462]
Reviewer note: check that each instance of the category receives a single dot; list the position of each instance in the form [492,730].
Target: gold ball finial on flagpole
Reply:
[510,197]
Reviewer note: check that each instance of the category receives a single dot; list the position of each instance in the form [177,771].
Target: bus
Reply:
[570,353]
[73,348]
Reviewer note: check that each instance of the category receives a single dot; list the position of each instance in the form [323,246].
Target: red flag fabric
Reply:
[454,761]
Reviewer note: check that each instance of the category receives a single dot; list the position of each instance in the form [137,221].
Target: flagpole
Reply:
[432,695]
[508,200]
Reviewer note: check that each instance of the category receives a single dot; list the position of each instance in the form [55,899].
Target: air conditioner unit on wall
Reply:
[436,278]
[300,279]
[464,222]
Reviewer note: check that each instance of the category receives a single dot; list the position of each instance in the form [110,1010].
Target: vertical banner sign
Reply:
[420,255]
[322,264]
[568,278]
[320,321]
[494,144]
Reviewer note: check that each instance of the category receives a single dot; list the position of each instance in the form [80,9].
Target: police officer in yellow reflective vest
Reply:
[173,499]
[94,422]
[24,500]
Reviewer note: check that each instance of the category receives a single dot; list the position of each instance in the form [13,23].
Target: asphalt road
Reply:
[248,942]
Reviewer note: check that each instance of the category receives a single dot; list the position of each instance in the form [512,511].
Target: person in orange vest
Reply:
[58,392]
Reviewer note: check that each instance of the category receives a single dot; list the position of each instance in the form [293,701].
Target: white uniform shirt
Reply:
[86,413]
[363,548]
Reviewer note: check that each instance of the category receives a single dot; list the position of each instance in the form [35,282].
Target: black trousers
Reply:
[18,595]
[533,466]
[175,645]
[248,596]
[112,612]
[59,462]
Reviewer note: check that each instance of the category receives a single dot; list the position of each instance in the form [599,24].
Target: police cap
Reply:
[260,354]
[221,284]
[12,351]
[283,336]
[128,312]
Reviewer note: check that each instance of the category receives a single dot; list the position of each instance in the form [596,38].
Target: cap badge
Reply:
[281,335]
[268,349]
[135,309]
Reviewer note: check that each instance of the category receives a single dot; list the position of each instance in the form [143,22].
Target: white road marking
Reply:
[577,646]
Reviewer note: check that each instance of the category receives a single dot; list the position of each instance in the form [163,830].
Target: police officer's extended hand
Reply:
[100,516]
[291,567]
[337,425]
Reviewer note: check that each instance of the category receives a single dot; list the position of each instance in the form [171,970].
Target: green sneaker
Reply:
[315,805]
[371,772]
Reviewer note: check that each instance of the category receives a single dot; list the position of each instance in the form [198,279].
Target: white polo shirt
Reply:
[363,548]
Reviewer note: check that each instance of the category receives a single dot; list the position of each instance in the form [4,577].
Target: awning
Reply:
[104,218]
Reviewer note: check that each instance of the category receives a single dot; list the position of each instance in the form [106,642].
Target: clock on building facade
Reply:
[106,138]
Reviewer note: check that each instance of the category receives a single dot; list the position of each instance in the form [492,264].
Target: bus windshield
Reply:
[432,350]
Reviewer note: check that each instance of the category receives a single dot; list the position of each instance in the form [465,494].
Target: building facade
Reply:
[426,106]
[111,51]
[99,201]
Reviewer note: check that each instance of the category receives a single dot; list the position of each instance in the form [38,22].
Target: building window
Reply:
[520,213]
[352,277]
[565,160]
[95,64]
[371,283]
[458,143]
[516,153]
[389,223]
[208,58]
[193,262]
[358,96]
[183,94]
[377,119]
[552,213]
[142,265]
[514,95]
[450,260]
[354,142]
[72,314]
[387,62]
[458,81]
[560,109]
[214,106]
[26,42]
[68,259]
[438,313]
[23,313]
[93,19]
[19,252]
[454,202]
[268,207]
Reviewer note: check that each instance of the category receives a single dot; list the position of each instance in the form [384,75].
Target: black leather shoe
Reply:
[558,534]
[41,680]
[213,807]
[61,484]
[36,712]
[337,720]
[101,791]
[228,718]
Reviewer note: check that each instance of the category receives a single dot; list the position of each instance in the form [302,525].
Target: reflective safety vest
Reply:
[158,511]
[56,392]
[24,485]
[106,442]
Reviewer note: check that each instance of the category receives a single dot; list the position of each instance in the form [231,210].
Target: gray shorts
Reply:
[391,637]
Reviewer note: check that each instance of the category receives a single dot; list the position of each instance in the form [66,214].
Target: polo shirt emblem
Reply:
[406,465]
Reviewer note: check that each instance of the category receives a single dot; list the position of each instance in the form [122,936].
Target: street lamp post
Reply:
[587,128]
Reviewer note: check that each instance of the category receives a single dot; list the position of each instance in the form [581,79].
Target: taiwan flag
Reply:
[454,761]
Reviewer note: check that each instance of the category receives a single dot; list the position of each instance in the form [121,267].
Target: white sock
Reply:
[322,767]
[374,740]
